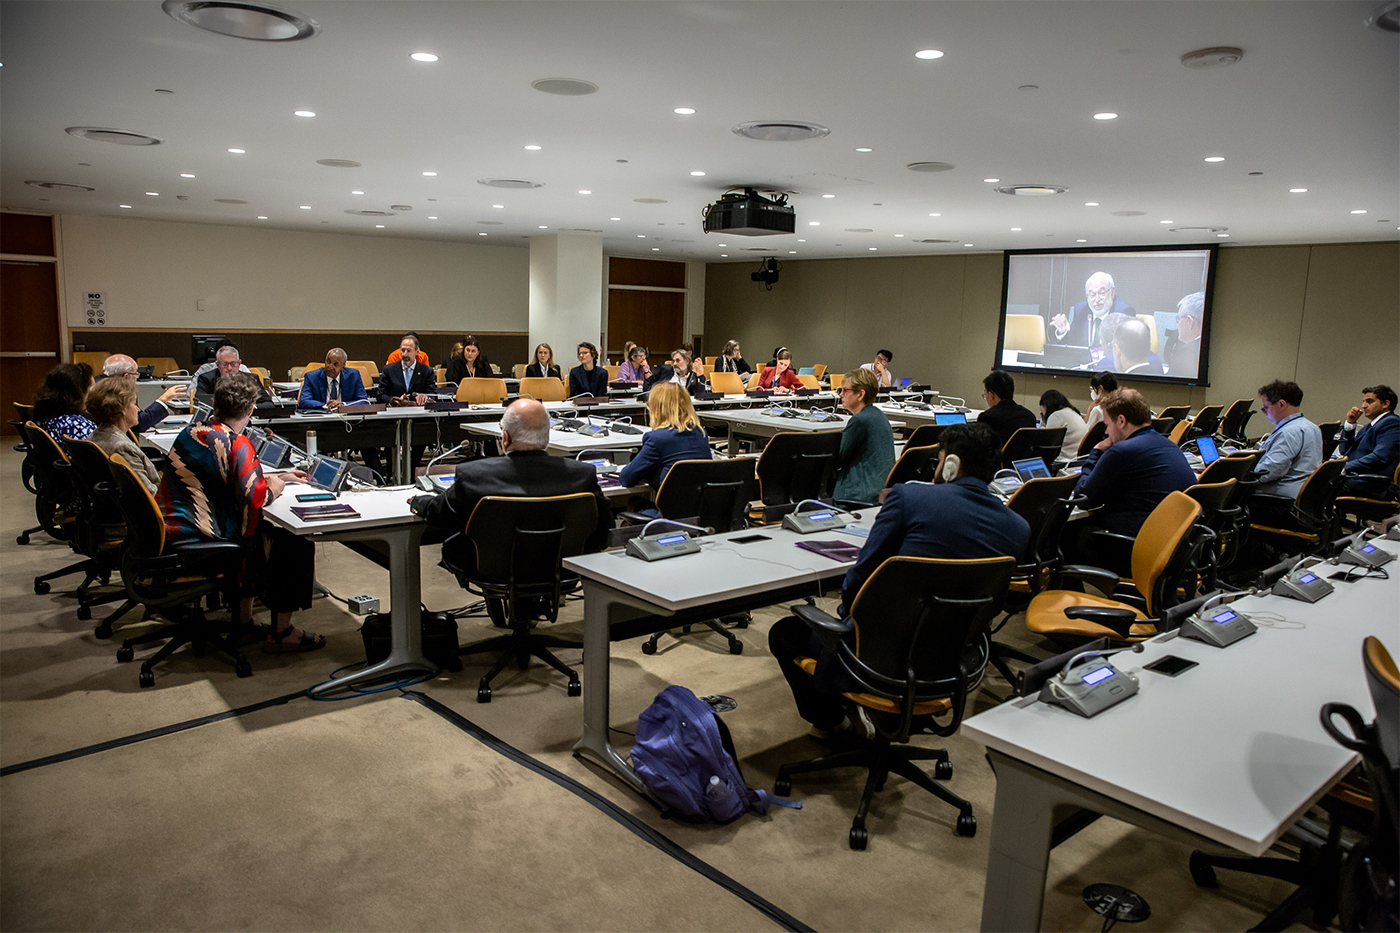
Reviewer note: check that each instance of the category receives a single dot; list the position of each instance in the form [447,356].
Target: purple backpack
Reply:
[686,758]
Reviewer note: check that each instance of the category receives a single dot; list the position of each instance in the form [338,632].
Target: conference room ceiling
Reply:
[1312,104]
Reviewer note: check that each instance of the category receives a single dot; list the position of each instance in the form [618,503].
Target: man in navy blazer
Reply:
[407,381]
[333,386]
[959,518]
[1373,451]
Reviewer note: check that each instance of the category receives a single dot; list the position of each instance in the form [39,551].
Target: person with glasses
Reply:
[1182,353]
[731,360]
[226,363]
[867,443]
[1002,414]
[122,366]
[1291,452]
[1080,328]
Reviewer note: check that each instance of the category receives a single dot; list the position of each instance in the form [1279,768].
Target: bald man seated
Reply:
[333,386]
[121,366]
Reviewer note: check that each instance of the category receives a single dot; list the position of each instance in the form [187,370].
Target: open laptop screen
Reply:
[950,417]
[1034,468]
[1206,445]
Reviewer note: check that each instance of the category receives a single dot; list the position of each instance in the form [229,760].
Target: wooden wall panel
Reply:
[653,273]
[26,234]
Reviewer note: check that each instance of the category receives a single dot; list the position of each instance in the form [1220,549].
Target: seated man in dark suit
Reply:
[1373,451]
[1003,415]
[227,360]
[1082,326]
[1124,477]
[525,470]
[959,518]
[121,365]
[1132,350]
[407,381]
[333,388]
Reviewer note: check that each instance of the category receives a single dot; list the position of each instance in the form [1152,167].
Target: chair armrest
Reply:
[1120,620]
[850,505]
[824,625]
[633,518]
[1107,536]
[1105,580]
[200,554]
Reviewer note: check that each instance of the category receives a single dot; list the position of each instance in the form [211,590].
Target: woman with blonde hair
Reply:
[675,435]
[544,364]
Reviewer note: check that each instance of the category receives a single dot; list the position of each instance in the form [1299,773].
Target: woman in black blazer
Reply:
[588,377]
[471,364]
[544,364]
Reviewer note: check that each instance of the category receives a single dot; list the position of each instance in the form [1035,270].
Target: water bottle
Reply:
[310,443]
[716,791]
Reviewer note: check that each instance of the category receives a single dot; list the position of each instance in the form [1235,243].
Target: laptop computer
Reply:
[807,371]
[1033,468]
[1209,452]
[950,417]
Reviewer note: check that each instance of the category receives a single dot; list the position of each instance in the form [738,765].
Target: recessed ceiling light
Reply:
[873,248]
[238,151]
[430,174]
[481,234]
[544,226]
[991,181]
[103,134]
[303,113]
[1222,235]
[306,207]
[564,87]
[423,57]
[897,235]
[935,215]
[723,245]
[1106,115]
[1091,203]
[1297,190]
[864,149]
[641,236]
[1358,212]
[723,255]
[186,175]
[379,226]
[928,54]
[780,131]
[1015,229]
[584,191]
[242,19]
[499,207]
[432,217]
[967,244]
[126,207]
[1081,241]
[1030,191]
[614,218]
[656,249]
[533,148]
[357,192]
[684,111]
[800,241]
[1215,158]
[1165,221]
[262,217]
[697,174]
[153,194]
[814,223]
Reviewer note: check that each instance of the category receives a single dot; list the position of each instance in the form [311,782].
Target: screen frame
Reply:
[1202,377]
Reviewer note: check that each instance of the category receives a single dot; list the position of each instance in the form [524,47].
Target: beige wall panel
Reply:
[1351,326]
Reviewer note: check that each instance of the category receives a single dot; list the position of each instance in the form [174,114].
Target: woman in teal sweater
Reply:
[867,444]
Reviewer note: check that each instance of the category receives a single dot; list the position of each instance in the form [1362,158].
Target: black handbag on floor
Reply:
[439,639]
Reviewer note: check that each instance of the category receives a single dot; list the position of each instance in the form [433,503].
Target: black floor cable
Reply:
[149,734]
[638,828]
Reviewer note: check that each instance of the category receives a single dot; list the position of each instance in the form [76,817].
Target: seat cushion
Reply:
[878,703]
[1046,615]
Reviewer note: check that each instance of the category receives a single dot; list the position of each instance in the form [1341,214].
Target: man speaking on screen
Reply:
[1082,326]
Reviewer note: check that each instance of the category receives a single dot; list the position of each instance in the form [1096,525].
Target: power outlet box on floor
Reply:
[364,605]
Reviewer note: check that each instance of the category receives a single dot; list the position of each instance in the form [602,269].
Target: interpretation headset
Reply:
[952,463]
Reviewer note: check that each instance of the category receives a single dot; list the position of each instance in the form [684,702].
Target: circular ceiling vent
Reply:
[105,134]
[59,186]
[933,241]
[372,213]
[565,87]
[1198,229]
[930,166]
[859,230]
[781,131]
[1128,213]
[242,20]
[400,207]
[1031,191]
[339,163]
[230,201]
[1215,57]
[1385,19]
[649,200]
[509,183]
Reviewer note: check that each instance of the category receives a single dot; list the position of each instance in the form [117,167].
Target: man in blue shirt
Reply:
[1124,478]
[1372,452]
[1294,449]
[959,518]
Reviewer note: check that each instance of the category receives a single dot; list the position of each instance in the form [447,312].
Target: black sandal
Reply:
[277,642]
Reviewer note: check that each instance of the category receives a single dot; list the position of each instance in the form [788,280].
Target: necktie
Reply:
[335,389]
[407,377]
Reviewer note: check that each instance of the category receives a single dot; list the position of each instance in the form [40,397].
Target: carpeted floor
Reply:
[375,813]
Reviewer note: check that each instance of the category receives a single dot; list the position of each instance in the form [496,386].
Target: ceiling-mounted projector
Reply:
[749,213]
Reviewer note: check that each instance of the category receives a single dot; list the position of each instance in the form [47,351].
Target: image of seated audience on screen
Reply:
[1141,311]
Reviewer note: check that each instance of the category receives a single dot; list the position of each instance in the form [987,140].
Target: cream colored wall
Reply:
[1327,316]
[155,272]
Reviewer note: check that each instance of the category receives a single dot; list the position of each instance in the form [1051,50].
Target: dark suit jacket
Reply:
[151,416]
[535,371]
[1150,367]
[665,372]
[584,382]
[1373,449]
[522,473]
[315,388]
[391,384]
[661,450]
[1006,417]
[1130,478]
[960,520]
[1079,318]
[457,369]
[204,385]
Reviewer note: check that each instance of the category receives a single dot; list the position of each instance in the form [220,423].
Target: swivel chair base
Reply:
[192,629]
[741,620]
[521,645]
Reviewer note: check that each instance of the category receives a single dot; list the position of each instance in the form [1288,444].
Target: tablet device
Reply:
[950,417]
[1209,453]
[329,473]
[256,436]
[274,453]
[1034,468]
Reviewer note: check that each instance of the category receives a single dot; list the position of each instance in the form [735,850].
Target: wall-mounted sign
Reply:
[95,309]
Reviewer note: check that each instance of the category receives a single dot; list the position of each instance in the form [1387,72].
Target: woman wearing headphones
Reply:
[780,377]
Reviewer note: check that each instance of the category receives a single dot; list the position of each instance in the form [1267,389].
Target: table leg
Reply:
[598,602]
[405,592]
[403,464]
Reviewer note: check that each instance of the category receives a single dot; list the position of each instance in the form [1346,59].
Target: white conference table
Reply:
[625,597]
[568,443]
[918,417]
[757,425]
[1228,754]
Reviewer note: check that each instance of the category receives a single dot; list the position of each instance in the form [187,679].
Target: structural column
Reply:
[566,293]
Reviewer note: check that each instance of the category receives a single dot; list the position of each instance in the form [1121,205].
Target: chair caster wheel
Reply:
[84,613]
[102,631]
[40,587]
[743,620]
[243,669]
[859,838]
[736,647]
[575,688]
[1202,872]
[942,770]
[782,787]
[483,694]
[22,539]
[146,678]
[648,647]
[967,825]
[125,653]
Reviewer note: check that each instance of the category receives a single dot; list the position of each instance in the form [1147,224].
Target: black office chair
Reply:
[172,581]
[1025,443]
[25,413]
[57,504]
[1097,432]
[1232,425]
[1205,422]
[1163,426]
[1311,523]
[712,494]
[1331,437]
[925,435]
[520,545]
[915,464]
[1328,877]
[1372,508]
[101,530]
[1220,517]
[1175,412]
[912,648]
[794,467]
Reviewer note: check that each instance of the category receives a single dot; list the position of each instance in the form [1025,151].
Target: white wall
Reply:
[566,292]
[155,272]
